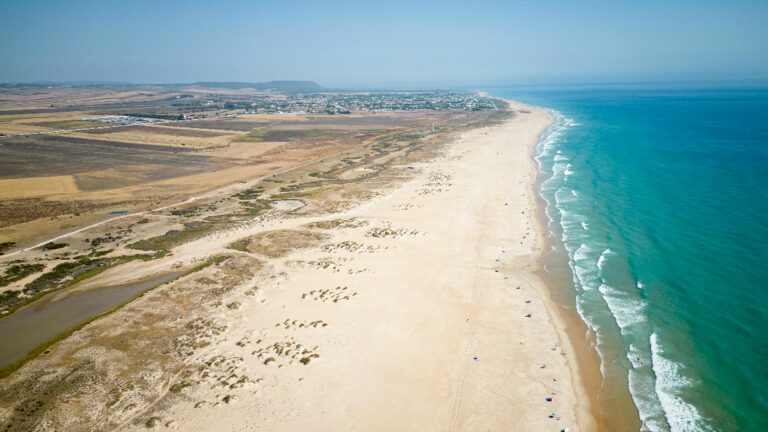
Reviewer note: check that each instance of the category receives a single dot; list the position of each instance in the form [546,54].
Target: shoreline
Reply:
[587,362]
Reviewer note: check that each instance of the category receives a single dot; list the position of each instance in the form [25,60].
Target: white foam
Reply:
[559,169]
[625,310]
[568,170]
[582,253]
[584,276]
[680,415]
[638,357]
[641,386]
[601,260]
[564,195]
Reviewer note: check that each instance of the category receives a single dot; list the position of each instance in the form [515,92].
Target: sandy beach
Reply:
[418,309]
[439,336]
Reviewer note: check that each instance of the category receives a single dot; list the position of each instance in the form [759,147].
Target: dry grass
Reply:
[159,136]
[275,244]
[37,186]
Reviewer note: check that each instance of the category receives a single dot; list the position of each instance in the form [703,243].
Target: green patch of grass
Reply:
[249,194]
[19,272]
[241,245]
[290,195]
[253,136]
[279,135]
[314,174]
[52,245]
[100,253]
[253,208]
[172,238]
[275,181]
[179,386]
[305,360]
[190,212]
[152,421]
[114,396]
[400,137]
[5,246]
[77,270]
[9,296]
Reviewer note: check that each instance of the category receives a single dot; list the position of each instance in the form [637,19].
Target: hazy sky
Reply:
[383,43]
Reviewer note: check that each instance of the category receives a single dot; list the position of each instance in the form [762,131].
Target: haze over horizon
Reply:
[346,44]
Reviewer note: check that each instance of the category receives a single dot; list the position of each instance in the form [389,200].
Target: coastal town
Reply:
[345,102]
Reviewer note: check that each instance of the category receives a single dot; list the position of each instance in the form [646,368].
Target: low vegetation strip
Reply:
[62,276]
[172,238]
[18,272]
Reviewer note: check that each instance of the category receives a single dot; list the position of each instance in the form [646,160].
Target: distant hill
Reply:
[281,86]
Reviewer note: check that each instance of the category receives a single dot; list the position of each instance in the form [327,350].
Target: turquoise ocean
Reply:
[656,201]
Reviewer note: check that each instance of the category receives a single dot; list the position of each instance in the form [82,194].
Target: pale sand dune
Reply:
[398,355]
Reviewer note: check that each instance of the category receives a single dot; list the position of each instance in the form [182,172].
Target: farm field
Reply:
[66,155]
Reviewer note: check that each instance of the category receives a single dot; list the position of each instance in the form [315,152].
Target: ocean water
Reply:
[657,211]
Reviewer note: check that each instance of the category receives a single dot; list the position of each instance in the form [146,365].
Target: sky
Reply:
[384,43]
